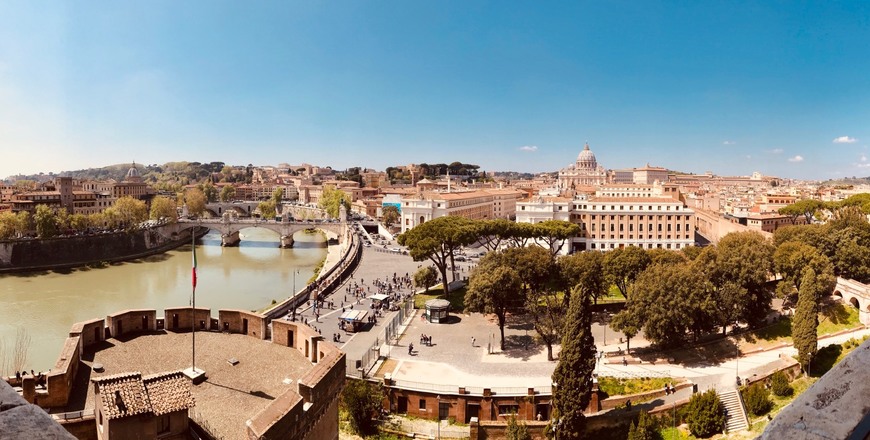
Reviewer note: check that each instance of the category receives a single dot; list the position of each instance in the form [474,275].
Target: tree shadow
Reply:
[698,355]
[836,313]
[522,347]
[825,359]
[520,322]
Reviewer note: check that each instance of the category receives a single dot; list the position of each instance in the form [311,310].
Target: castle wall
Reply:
[233,321]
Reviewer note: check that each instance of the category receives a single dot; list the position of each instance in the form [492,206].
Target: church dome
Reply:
[586,159]
[133,174]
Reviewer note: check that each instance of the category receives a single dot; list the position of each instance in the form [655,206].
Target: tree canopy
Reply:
[438,240]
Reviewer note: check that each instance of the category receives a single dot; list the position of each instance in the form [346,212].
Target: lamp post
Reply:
[438,409]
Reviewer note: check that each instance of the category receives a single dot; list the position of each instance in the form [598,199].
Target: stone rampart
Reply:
[68,252]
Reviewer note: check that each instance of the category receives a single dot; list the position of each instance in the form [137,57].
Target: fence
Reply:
[474,391]
[373,353]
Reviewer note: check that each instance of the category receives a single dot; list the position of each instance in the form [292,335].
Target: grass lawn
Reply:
[675,434]
[831,355]
[833,318]
[613,295]
[799,385]
[620,387]
[457,298]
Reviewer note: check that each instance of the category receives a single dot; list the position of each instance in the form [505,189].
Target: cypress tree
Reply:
[573,374]
[806,318]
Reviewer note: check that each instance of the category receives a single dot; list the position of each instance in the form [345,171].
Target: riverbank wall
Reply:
[70,252]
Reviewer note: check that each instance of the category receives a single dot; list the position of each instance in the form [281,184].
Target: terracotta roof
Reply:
[168,392]
[129,394]
[123,395]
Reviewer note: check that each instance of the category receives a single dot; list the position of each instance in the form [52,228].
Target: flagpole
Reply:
[193,301]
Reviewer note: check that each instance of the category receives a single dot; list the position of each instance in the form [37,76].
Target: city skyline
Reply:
[774,88]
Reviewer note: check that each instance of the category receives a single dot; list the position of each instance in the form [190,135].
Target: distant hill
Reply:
[170,176]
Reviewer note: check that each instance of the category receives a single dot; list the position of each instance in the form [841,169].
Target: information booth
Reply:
[437,310]
[353,321]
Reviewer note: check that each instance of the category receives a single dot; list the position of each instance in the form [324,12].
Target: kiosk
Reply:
[353,320]
[437,310]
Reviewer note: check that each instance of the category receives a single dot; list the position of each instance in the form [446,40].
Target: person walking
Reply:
[472,341]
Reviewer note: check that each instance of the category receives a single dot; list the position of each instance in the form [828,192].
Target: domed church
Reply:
[584,172]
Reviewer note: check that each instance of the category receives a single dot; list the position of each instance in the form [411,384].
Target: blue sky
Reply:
[729,87]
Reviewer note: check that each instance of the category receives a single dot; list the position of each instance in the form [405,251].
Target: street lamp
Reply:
[438,409]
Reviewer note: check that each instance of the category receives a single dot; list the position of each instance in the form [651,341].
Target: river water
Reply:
[248,277]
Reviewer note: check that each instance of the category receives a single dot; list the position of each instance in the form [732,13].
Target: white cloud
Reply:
[863,158]
[845,140]
[862,165]
[796,159]
[748,156]
[729,143]
[776,151]
[529,148]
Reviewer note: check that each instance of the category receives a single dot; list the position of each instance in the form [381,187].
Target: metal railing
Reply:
[475,391]
[74,415]
[373,353]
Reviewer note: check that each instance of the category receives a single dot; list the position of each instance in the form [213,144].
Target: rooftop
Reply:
[226,400]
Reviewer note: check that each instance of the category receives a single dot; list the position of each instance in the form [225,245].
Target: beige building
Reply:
[475,205]
[616,216]
[584,171]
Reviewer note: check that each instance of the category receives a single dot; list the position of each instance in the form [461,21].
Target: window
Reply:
[422,404]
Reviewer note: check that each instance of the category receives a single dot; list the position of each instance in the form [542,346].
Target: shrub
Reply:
[779,384]
[646,428]
[516,430]
[757,399]
[705,415]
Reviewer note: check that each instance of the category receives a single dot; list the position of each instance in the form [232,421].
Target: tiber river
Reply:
[248,277]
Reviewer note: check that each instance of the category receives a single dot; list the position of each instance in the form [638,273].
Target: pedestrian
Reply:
[410,348]
[624,362]
[472,341]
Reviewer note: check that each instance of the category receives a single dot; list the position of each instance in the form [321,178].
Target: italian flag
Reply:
[193,272]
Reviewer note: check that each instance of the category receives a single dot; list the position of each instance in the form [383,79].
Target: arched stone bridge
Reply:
[230,227]
[857,294]
[243,209]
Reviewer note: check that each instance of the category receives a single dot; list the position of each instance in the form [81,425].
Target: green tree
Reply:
[806,208]
[196,201]
[705,414]
[228,193]
[536,269]
[390,214]
[522,233]
[7,225]
[623,266]
[78,222]
[757,399]
[516,430]
[806,318]
[438,240]
[494,232]
[210,192]
[573,374]
[362,401]
[130,212]
[278,196]
[494,288]
[425,277]
[738,269]
[779,384]
[668,302]
[555,232]
[792,258]
[583,270]
[267,209]
[163,207]
[646,429]
[46,221]
[332,199]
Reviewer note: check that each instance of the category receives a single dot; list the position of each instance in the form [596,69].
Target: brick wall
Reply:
[237,321]
[180,319]
[131,321]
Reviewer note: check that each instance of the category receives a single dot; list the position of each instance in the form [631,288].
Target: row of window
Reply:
[639,237]
[622,207]
[604,246]
[631,227]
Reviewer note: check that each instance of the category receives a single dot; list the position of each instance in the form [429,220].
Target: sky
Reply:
[782,88]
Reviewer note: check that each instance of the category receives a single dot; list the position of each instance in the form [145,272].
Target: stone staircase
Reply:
[735,415]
